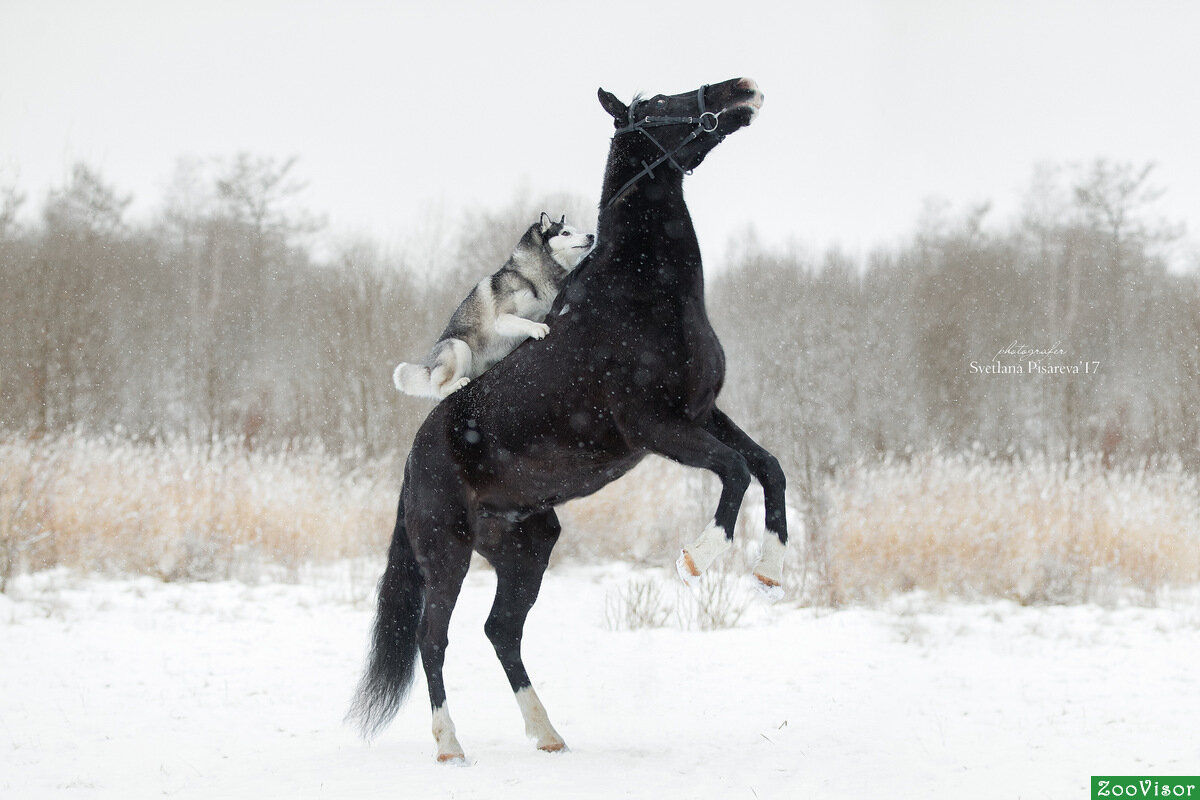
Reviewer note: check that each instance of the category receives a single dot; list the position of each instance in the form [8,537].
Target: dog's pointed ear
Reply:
[546,222]
[563,220]
[615,108]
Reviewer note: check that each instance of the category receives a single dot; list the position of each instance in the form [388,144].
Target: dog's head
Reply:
[565,245]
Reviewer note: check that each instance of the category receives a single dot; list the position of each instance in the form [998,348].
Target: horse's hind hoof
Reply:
[687,570]
[554,747]
[452,759]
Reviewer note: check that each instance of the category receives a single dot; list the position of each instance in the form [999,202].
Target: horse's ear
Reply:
[546,222]
[615,108]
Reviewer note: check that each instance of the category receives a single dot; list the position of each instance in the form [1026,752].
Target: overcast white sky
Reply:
[394,107]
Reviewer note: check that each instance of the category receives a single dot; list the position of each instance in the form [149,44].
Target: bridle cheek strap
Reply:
[705,123]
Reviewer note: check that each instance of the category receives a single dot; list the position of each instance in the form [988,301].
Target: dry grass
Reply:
[658,600]
[1028,532]
[952,526]
[636,604]
[643,517]
[946,525]
[183,512]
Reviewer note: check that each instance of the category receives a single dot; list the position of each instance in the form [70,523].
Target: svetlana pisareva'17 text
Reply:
[1033,368]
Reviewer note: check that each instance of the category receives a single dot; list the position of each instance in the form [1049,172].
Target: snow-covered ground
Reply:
[135,688]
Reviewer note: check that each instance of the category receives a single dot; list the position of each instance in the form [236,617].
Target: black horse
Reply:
[631,366]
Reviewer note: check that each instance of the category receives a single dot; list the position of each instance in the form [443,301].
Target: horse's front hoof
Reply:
[554,747]
[769,588]
[452,759]
[686,567]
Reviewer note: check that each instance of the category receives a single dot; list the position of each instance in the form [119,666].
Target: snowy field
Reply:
[138,688]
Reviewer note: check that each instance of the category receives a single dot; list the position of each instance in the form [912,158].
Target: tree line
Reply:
[913,350]
[221,318]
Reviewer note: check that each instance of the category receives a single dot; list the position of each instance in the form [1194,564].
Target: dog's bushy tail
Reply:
[414,379]
[389,673]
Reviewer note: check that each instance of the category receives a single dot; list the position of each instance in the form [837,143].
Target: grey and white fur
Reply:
[502,311]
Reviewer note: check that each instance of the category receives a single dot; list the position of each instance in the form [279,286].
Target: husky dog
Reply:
[502,311]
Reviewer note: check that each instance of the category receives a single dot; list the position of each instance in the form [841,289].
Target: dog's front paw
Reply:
[451,388]
[538,330]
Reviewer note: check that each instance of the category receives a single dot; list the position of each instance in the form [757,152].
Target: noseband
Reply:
[706,123]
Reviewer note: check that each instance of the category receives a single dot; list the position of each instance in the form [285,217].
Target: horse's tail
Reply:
[389,672]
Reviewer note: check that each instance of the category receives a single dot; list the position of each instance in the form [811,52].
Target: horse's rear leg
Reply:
[766,470]
[445,556]
[520,554]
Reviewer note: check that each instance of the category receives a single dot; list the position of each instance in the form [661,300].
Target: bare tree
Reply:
[86,206]
[71,282]
[11,200]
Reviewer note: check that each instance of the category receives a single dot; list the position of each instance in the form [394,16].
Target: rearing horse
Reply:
[631,366]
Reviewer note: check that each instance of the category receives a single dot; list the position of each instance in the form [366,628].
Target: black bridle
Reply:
[706,123]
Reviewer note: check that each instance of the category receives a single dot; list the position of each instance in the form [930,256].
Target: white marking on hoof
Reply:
[772,593]
[769,569]
[449,751]
[687,569]
[537,722]
[698,556]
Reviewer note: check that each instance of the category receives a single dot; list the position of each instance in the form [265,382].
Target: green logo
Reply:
[1145,786]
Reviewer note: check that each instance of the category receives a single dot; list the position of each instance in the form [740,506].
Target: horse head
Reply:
[679,130]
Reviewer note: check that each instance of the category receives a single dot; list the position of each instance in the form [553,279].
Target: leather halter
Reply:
[705,123]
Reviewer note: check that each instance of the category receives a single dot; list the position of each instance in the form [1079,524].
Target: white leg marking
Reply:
[769,569]
[700,554]
[537,722]
[443,732]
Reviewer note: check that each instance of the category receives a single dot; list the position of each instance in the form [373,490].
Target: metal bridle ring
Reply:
[705,125]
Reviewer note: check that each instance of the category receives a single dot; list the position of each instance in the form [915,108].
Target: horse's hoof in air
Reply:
[687,569]
[554,747]
[770,589]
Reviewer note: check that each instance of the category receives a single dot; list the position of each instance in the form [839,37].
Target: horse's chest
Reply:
[704,372]
[682,355]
